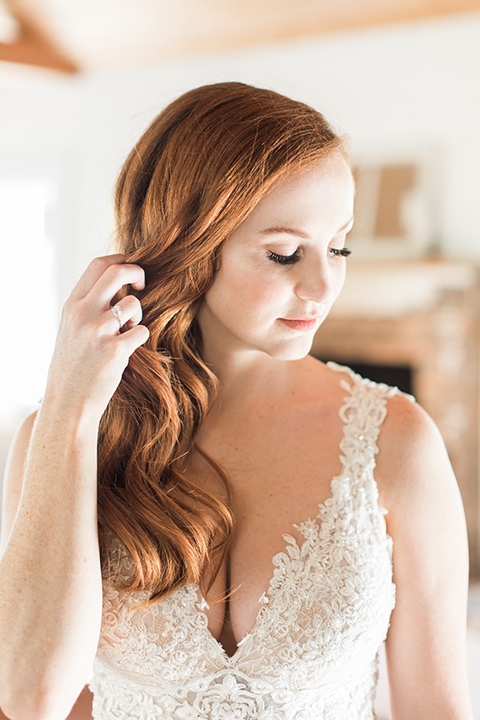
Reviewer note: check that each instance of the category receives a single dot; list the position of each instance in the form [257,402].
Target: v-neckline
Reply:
[337,483]
[279,559]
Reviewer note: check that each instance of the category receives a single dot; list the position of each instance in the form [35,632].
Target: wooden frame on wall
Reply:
[395,206]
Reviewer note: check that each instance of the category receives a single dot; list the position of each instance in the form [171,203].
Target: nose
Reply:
[315,283]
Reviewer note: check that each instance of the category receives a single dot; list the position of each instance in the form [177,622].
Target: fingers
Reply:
[135,337]
[93,344]
[100,282]
[114,277]
[93,273]
[126,313]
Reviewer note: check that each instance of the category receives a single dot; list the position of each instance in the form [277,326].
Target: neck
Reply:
[244,373]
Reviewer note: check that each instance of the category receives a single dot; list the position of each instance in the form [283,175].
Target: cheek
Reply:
[260,290]
[244,289]
[340,280]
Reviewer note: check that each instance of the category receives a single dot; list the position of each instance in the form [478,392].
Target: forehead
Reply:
[321,193]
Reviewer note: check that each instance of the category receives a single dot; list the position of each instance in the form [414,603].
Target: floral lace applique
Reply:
[313,651]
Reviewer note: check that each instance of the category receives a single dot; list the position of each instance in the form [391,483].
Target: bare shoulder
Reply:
[321,383]
[13,478]
[407,417]
[412,458]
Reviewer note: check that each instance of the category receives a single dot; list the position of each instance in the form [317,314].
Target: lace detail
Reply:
[312,653]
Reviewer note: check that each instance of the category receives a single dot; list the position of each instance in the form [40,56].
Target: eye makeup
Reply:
[284,259]
[295,257]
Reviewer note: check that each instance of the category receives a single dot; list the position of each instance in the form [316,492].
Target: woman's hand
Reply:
[93,344]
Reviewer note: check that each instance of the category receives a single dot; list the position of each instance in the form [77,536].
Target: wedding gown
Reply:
[313,651]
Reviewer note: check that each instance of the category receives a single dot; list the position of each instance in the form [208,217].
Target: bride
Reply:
[201,520]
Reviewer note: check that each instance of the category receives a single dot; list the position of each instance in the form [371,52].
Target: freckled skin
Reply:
[251,291]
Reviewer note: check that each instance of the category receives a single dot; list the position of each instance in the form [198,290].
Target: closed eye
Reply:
[284,259]
[295,257]
[340,252]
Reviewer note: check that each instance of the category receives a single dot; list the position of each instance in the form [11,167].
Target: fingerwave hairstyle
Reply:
[196,173]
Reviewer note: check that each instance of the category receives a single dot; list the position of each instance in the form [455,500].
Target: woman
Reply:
[218,438]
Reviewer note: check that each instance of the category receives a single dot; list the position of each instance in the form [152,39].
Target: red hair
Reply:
[196,173]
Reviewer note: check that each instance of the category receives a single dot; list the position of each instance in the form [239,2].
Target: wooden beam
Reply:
[32,48]
[283,20]
[54,32]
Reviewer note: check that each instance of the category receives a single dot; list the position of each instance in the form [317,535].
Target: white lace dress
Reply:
[313,651]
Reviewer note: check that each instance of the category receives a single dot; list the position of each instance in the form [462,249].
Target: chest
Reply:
[327,606]
[278,474]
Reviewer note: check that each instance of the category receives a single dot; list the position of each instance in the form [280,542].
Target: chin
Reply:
[293,351]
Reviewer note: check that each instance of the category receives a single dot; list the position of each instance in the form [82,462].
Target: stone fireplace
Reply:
[415,324]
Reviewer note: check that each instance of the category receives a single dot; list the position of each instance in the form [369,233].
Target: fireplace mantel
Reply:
[383,289]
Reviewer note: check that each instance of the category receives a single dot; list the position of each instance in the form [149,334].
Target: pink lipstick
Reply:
[304,324]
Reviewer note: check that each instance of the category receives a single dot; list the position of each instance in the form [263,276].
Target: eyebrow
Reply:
[295,231]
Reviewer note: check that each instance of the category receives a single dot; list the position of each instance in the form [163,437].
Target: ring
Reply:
[117,311]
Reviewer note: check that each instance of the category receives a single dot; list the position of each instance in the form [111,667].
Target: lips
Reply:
[304,324]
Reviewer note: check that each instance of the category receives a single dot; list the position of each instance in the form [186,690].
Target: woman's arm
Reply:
[50,597]
[50,591]
[426,653]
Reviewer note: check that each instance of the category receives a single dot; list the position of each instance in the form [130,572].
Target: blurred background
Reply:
[80,81]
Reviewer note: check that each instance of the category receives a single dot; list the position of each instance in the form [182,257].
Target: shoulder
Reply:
[406,425]
[412,456]
[13,478]
[408,433]
[412,462]
[418,488]
[323,383]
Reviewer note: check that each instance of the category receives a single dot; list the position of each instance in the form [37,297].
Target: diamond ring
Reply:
[117,311]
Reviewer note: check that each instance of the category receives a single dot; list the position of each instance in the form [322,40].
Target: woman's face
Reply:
[282,268]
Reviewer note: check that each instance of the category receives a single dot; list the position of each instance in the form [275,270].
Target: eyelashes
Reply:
[284,259]
[340,252]
[295,257]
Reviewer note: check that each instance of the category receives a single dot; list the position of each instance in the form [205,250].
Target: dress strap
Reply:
[363,411]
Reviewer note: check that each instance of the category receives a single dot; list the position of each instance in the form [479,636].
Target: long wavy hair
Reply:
[196,173]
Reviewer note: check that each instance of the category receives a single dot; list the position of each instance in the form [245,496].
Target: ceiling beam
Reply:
[31,47]
[59,35]
[284,20]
